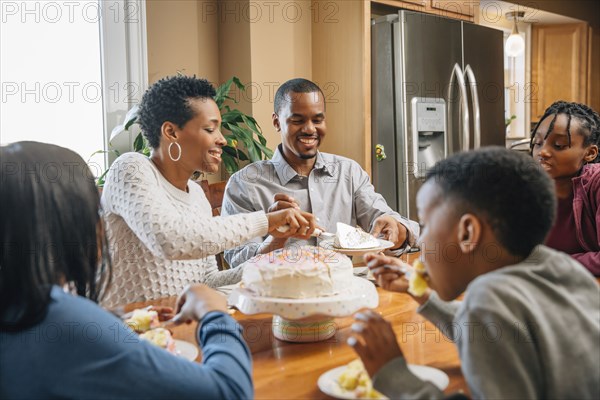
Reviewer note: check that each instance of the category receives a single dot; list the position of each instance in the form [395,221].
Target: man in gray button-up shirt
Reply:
[334,188]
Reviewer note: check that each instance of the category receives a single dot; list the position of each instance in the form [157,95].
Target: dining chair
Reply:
[214,193]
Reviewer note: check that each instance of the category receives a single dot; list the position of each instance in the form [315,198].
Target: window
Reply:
[69,72]
[51,77]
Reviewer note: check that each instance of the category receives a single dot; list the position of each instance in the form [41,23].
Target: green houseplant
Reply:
[245,141]
[507,121]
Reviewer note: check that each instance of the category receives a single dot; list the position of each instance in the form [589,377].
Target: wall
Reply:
[183,36]
[341,54]
[594,70]
[177,41]
[280,39]
[585,10]
[264,43]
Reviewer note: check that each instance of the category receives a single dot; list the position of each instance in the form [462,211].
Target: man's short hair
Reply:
[504,187]
[297,85]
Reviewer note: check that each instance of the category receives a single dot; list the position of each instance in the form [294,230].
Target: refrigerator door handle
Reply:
[458,73]
[476,111]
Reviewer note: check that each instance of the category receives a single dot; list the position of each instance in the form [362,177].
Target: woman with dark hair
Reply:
[565,142]
[159,222]
[61,344]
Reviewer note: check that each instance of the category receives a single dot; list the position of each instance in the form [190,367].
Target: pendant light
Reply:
[515,44]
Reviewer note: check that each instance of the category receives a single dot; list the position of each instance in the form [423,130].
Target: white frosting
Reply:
[298,273]
[348,237]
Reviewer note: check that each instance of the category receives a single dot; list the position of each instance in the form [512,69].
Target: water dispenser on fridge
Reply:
[429,133]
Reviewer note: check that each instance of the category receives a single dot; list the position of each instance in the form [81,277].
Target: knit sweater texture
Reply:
[162,238]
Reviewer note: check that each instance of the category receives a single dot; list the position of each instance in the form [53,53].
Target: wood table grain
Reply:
[284,370]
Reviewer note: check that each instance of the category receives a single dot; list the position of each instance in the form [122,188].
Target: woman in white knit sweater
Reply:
[159,222]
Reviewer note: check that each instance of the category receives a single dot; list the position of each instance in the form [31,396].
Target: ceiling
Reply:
[495,11]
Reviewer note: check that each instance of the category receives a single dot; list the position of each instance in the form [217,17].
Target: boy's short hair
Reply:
[506,188]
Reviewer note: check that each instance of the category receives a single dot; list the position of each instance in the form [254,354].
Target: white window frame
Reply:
[123,49]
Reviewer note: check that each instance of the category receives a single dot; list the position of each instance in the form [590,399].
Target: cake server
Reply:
[317,232]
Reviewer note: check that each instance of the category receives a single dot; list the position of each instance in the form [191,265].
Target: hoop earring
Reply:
[169,151]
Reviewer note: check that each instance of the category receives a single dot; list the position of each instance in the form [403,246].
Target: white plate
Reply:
[383,245]
[328,380]
[186,349]
[433,375]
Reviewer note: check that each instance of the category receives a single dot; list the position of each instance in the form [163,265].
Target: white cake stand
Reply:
[310,319]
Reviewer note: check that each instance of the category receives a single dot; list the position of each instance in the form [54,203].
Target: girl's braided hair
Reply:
[589,121]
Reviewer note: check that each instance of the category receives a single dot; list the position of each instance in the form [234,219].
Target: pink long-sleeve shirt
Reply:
[586,219]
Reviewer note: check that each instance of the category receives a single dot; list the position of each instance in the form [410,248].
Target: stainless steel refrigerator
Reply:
[438,88]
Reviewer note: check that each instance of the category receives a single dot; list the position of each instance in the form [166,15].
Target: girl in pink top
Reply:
[565,142]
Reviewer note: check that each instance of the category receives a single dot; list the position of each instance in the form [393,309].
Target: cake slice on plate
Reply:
[143,320]
[348,237]
[160,337]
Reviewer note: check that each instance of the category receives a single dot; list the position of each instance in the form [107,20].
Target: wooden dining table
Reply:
[287,370]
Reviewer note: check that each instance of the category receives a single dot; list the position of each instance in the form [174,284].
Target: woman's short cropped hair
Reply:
[168,100]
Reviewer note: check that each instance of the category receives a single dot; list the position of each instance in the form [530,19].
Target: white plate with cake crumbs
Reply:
[383,245]
[328,382]
[186,349]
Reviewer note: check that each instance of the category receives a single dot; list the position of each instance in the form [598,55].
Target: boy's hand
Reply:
[374,341]
[388,272]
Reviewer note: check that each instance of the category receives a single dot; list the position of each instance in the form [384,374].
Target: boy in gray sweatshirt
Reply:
[529,324]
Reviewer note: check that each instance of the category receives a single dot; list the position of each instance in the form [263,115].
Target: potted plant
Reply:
[507,122]
[245,141]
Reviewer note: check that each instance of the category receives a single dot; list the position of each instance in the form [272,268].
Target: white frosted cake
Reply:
[348,237]
[298,273]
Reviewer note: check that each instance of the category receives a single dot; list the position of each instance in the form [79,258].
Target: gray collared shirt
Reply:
[336,190]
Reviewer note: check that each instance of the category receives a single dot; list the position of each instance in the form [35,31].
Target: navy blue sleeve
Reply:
[222,347]
[82,351]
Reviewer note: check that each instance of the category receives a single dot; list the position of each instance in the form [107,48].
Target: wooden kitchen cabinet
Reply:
[466,10]
[560,56]
[416,5]
[465,7]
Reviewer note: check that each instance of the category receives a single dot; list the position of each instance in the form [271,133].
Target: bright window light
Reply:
[50,72]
